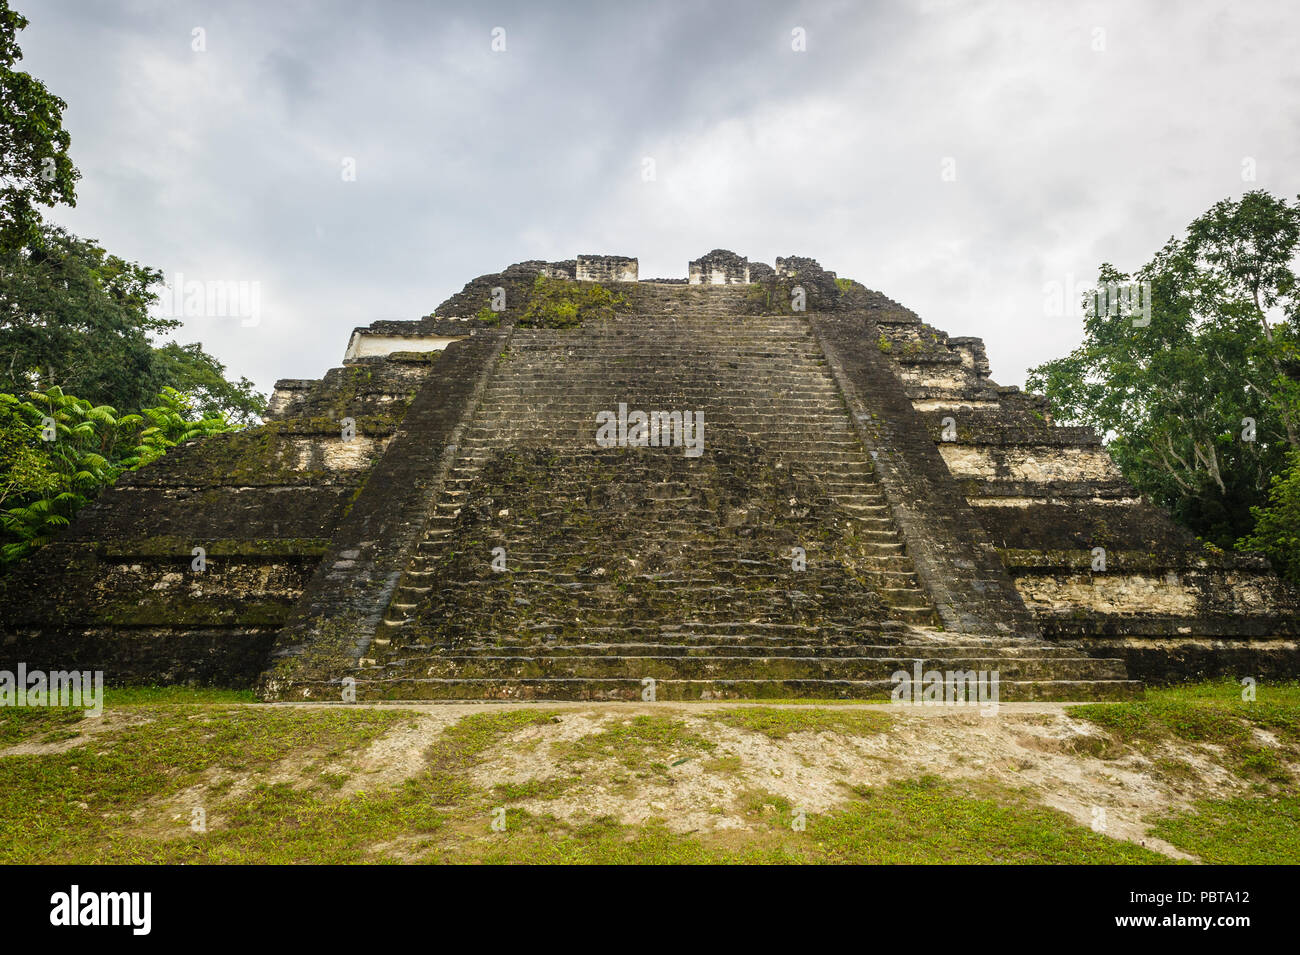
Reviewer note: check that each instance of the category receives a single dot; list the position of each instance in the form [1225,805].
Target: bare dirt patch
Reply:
[1068,764]
[86,730]
[394,757]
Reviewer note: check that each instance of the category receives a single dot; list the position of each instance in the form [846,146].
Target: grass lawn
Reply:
[283,784]
[1258,740]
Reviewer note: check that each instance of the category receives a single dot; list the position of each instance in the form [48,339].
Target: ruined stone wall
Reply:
[719,267]
[516,283]
[316,526]
[430,333]
[618,559]
[808,273]
[1090,558]
[123,591]
[375,387]
[606,268]
[953,556]
[288,394]
[568,269]
[342,604]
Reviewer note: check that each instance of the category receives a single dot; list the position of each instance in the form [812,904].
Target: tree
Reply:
[202,379]
[1277,527]
[1201,405]
[74,316]
[24,470]
[35,168]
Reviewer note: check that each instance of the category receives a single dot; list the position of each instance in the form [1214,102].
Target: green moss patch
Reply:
[558,303]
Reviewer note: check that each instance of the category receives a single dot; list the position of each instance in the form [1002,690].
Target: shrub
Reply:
[58,451]
[1277,523]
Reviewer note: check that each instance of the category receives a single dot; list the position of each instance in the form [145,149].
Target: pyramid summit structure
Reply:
[569,482]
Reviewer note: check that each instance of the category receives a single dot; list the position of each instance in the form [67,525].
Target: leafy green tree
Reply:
[174,420]
[35,168]
[59,451]
[1277,526]
[1201,406]
[202,379]
[25,469]
[75,316]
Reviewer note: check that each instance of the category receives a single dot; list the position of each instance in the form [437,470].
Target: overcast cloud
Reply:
[226,164]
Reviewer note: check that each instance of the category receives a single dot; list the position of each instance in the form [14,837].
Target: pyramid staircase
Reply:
[615,567]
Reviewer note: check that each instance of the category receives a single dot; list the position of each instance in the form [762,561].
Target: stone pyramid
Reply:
[572,483]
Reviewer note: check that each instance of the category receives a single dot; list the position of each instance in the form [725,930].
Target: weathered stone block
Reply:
[719,267]
[606,268]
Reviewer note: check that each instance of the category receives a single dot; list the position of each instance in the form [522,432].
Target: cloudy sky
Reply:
[1074,133]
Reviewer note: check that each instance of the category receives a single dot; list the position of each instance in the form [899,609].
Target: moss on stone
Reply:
[181,547]
[181,610]
[558,303]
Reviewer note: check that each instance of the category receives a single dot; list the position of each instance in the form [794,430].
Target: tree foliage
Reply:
[58,451]
[1277,527]
[202,379]
[74,320]
[1201,406]
[35,168]
[75,316]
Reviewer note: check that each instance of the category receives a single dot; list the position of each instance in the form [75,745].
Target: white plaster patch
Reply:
[367,345]
[335,454]
[1109,593]
[952,404]
[1036,464]
[1029,501]
[955,378]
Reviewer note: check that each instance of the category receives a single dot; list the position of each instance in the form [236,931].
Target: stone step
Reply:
[763,388]
[715,666]
[615,688]
[755,645]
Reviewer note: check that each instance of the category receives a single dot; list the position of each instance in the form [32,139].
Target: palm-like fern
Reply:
[86,448]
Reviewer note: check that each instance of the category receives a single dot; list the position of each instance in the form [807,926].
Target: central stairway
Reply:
[770,565]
